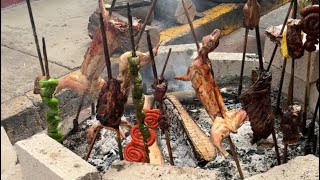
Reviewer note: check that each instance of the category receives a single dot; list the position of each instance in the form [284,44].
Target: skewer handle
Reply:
[46,63]
[165,64]
[133,49]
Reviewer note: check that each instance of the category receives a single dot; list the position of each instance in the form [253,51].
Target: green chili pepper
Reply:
[49,83]
[52,103]
[58,136]
[144,131]
[52,113]
[47,92]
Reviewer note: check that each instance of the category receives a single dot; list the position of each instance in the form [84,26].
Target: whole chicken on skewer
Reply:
[88,80]
[202,78]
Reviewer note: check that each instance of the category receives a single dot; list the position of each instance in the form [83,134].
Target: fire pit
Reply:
[254,159]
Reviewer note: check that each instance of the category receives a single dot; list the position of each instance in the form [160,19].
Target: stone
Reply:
[8,154]
[299,168]
[137,171]
[44,158]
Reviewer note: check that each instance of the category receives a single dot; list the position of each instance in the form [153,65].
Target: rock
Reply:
[299,168]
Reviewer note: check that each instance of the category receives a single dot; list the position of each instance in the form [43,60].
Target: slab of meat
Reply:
[294,39]
[290,123]
[273,32]
[88,80]
[251,11]
[201,75]
[257,103]
[222,127]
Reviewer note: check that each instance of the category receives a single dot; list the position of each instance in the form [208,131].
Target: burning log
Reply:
[173,10]
[257,103]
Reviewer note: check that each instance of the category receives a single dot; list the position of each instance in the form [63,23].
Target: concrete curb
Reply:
[43,158]
[226,17]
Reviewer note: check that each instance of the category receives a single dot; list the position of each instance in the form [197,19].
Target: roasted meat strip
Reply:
[251,11]
[257,103]
[201,75]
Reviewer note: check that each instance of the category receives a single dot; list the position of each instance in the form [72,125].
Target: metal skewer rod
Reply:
[75,120]
[235,157]
[281,32]
[154,68]
[119,144]
[259,48]
[35,37]
[243,60]
[306,94]
[165,64]
[276,148]
[133,50]
[112,6]
[291,84]
[46,63]
[105,47]
[146,19]
[191,25]
[93,142]
[278,110]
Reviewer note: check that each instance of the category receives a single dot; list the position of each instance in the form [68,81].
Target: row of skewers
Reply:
[256,101]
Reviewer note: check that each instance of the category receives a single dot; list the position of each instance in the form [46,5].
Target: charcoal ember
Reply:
[163,122]
[290,123]
[160,90]
[294,39]
[257,103]
[110,106]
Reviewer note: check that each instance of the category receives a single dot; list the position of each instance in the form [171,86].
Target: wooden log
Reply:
[94,24]
[155,154]
[173,10]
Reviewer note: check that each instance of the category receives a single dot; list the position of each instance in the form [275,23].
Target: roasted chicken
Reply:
[222,127]
[201,75]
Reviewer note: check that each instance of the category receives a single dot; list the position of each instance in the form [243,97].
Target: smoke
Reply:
[177,65]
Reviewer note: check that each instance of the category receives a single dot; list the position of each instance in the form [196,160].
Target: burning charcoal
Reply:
[257,103]
[290,122]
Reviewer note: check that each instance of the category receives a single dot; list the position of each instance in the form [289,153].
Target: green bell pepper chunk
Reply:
[47,92]
[52,113]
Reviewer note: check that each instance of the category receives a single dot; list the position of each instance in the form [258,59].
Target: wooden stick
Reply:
[46,63]
[165,64]
[167,135]
[191,25]
[146,19]
[154,68]
[259,48]
[276,145]
[35,37]
[243,60]
[306,95]
[235,157]
[105,47]
[281,32]
[278,110]
[119,144]
[93,110]
[133,50]
[93,142]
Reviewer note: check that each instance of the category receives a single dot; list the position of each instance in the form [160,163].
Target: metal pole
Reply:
[105,47]
[243,60]
[278,110]
[191,25]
